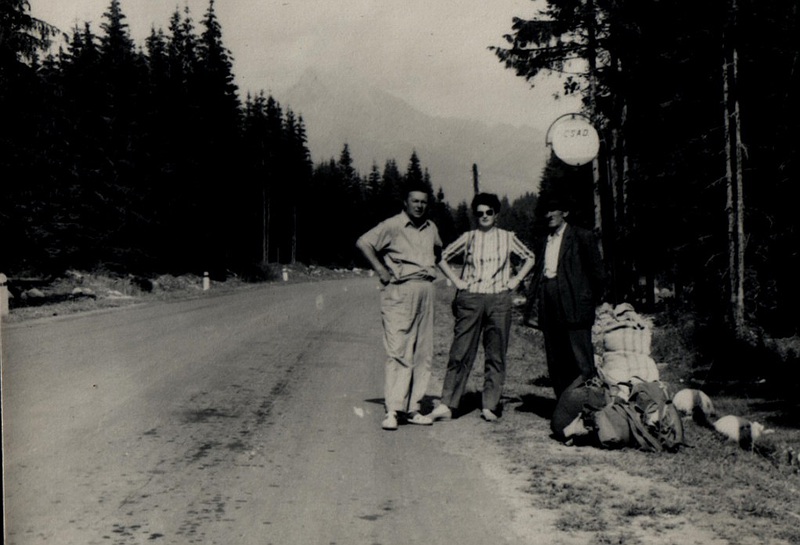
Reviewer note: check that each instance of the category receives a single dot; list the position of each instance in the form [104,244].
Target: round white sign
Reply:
[574,139]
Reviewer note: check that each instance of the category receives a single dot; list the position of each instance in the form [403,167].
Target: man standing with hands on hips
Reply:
[568,284]
[404,250]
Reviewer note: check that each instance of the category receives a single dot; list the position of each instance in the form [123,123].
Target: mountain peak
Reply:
[378,126]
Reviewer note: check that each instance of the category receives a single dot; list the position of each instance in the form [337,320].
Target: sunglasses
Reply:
[481,213]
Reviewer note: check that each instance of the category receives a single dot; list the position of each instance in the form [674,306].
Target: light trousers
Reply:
[407,314]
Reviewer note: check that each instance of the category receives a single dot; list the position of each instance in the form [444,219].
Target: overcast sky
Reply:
[431,53]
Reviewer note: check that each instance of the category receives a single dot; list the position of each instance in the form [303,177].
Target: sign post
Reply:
[575,141]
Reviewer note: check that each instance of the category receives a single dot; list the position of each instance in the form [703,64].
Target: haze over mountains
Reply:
[378,126]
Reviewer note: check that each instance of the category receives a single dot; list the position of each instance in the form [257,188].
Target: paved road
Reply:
[249,418]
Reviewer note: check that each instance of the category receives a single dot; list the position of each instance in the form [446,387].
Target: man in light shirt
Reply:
[482,306]
[403,251]
[567,286]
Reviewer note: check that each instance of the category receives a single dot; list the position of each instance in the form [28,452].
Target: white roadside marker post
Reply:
[3,295]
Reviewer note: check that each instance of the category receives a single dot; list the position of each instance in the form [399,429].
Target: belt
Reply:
[417,279]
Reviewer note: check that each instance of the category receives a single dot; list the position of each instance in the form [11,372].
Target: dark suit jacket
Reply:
[580,279]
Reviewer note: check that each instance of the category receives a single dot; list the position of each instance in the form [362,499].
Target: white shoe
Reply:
[390,422]
[419,419]
[488,415]
[441,412]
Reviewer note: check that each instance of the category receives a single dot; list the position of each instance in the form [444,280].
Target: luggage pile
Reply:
[625,338]
[626,404]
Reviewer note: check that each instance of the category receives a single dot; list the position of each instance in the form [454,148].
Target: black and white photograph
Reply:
[398,272]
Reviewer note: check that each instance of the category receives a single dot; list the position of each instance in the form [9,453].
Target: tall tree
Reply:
[22,103]
[414,174]
[298,175]
[272,183]
[22,37]
[216,77]
[389,199]
[220,117]
[733,176]
[124,184]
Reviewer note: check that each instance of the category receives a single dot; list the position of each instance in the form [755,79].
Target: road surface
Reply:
[247,418]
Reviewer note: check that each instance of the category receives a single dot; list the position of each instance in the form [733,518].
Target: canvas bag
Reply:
[619,424]
[658,414]
[580,397]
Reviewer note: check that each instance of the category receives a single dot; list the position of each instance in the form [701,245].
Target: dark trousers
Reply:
[569,351]
[476,314]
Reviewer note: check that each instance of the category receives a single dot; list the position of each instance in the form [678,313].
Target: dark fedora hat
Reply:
[555,202]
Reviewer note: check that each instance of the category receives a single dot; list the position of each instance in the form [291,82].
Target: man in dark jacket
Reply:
[568,284]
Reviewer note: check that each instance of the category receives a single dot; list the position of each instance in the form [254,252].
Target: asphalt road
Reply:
[248,418]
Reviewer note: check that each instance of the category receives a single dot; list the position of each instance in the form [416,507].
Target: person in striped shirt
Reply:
[482,306]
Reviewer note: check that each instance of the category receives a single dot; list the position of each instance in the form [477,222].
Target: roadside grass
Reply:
[742,495]
[81,291]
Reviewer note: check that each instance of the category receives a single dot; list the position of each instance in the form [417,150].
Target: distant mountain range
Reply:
[378,126]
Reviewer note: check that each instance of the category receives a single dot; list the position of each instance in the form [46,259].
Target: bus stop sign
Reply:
[574,140]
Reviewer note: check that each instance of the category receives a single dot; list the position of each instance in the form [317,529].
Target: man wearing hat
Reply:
[568,283]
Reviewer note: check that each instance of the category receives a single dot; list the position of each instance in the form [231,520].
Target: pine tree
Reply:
[414,174]
[461,218]
[298,161]
[216,77]
[219,116]
[22,37]
[389,200]
[24,105]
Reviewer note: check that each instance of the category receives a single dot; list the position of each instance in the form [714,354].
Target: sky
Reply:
[430,53]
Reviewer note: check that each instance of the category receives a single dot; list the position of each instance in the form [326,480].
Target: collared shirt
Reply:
[408,251]
[487,258]
[551,250]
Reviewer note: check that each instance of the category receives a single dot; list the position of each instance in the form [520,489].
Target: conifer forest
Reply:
[147,158]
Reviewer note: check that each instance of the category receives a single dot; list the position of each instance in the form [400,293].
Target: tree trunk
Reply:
[628,273]
[740,240]
[596,175]
[294,234]
[598,216]
[265,226]
[734,186]
[264,221]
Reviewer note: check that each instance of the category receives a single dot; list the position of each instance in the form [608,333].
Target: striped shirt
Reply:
[487,258]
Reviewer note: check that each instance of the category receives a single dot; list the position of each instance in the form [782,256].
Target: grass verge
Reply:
[628,496]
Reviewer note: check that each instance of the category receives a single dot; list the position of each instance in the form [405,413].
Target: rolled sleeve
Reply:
[456,247]
[518,248]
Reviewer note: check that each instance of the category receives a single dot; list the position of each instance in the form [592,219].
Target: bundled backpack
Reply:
[646,420]
[658,415]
